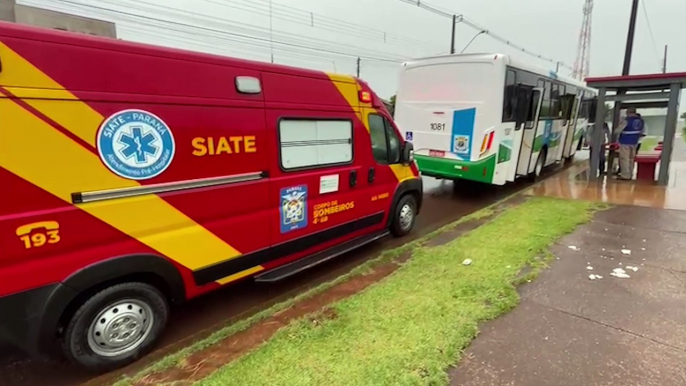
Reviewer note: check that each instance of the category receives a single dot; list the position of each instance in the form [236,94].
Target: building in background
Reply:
[23,14]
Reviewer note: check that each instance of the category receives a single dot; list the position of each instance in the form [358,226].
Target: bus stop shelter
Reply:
[638,91]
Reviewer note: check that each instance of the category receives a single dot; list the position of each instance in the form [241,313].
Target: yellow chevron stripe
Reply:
[47,158]
[24,80]
[240,275]
[66,167]
[351,94]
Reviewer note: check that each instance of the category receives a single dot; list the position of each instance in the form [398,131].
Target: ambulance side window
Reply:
[393,144]
[385,142]
[312,143]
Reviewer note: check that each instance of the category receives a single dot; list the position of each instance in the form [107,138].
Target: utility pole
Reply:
[452,36]
[625,69]
[358,66]
[630,38]
[664,62]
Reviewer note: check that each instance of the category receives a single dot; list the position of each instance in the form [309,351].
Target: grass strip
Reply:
[409,328]
[648,144]
[178,357]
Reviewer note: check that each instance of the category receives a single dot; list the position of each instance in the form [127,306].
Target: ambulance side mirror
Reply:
[408,153]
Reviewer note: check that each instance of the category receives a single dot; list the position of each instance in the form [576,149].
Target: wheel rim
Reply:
[406,217]
[120,328]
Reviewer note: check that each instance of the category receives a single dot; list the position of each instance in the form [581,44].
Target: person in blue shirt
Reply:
[630,131]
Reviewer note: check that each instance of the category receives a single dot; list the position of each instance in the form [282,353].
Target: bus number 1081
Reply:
[438,126]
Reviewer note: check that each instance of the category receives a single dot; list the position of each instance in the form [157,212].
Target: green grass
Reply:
[178,357]
[648,144]
[409,328]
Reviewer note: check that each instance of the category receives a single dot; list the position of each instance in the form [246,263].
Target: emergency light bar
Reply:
[365,96]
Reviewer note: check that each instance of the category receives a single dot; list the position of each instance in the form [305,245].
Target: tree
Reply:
[392,108]
[683,116]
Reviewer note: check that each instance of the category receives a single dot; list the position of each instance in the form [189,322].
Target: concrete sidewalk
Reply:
[569,330]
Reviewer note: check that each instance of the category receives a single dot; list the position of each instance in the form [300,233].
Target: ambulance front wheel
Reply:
[404,216]
[116,326]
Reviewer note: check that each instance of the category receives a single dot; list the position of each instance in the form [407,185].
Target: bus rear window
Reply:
[451,82]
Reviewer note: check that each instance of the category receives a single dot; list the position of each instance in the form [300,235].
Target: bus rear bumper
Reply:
[479,171]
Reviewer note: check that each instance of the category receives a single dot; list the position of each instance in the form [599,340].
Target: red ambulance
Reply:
[134,177]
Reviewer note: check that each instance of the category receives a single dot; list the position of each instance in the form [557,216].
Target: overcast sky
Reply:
[384,31]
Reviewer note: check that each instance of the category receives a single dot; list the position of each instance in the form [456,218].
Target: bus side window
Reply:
[534,108]
[509,100]
[545,103]
[555,107]
[522,105]
[571,103]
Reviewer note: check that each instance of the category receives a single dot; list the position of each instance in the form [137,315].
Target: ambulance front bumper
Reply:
[28,319]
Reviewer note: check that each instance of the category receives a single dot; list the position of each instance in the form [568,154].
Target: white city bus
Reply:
[488,117]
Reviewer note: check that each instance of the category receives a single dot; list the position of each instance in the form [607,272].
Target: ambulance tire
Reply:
[144,318]
[404,216]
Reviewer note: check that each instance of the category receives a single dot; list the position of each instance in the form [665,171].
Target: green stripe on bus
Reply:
[480,171]
[538,143]
[504,153]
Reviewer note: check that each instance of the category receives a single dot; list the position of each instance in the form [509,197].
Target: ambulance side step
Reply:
[297,266]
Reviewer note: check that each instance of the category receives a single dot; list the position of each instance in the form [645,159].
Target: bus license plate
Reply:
[436,153]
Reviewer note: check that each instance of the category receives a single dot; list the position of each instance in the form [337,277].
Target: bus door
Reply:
[521,105]
[571,144]
[569,126]
[529,131]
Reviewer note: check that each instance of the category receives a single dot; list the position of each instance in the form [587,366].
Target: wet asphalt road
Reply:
[444,202]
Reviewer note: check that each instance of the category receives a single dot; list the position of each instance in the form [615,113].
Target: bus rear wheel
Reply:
[116,326]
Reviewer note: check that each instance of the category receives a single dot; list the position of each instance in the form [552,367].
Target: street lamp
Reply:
[471,41]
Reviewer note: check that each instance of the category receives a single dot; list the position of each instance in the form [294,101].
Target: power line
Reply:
[461,18]
[304,17]
[267,32]
[430,8]
[275,13]
[650,29]
[232,51]
[153,30]
[223,32]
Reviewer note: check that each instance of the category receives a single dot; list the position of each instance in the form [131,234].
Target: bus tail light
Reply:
[487,142]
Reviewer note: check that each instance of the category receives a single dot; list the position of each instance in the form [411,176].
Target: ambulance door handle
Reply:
[353,178]
[371,175]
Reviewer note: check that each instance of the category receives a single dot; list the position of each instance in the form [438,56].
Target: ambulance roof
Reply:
[44,34]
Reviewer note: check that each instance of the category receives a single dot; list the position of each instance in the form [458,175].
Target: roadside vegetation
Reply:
[409,328]
[179,358]
[648,144]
